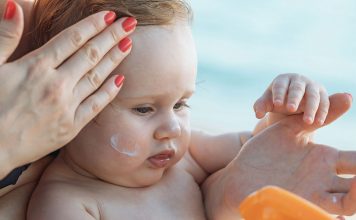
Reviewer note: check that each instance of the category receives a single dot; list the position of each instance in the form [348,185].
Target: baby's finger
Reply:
[323,109]
[279,89]
[295,94]
[97,102]
[312,96]
[94,78]
[11,28]
[263,104]
[93,52]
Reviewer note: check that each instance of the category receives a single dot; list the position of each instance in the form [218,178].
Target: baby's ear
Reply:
[340,103]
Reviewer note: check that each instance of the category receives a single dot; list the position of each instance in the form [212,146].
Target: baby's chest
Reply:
[177,196]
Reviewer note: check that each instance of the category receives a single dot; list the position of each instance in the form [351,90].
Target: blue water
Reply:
[242,45]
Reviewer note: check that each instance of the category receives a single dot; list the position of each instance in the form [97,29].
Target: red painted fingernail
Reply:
[125,44]
[119,80]
[129,24]
[10,10]
[110,17]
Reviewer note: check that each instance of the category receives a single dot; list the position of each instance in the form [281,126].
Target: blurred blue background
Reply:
[243,45]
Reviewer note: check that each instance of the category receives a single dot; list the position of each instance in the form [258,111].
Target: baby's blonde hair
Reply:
[53,16]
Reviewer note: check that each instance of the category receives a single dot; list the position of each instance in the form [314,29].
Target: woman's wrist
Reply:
[5,167]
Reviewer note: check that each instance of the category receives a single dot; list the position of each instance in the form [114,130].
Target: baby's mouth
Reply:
[161,159]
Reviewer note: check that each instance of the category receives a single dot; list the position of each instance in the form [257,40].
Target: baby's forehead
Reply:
[159,49]
[162,61]
[160,39]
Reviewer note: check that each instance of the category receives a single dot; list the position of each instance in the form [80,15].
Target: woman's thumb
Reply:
[11,29]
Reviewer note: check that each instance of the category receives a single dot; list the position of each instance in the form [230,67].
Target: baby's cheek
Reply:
[185,137]
[127,149]
[124,145]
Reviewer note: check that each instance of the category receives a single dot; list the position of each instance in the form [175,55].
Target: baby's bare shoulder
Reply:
[53,199]
[60,196]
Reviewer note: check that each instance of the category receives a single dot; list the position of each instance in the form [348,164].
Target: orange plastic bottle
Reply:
[274,203]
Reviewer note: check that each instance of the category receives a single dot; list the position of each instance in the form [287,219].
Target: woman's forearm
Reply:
[4,158]
[216,203]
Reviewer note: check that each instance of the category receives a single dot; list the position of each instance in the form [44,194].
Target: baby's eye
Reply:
[180,106]
[143,110]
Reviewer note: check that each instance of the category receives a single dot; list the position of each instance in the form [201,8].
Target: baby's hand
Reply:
[293,94]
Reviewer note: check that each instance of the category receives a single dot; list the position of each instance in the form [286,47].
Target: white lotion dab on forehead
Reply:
[127,148]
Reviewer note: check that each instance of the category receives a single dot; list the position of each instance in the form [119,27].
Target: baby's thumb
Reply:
[11,29]
[263,105]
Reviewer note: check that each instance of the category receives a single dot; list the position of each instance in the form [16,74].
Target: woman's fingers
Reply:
[340,203]
[95,77]
[11,29]
[340,184]
[346,162]
[88,109]
[66,43]
[92,52]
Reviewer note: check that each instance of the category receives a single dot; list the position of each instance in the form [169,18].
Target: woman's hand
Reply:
[49,95]
[282,155]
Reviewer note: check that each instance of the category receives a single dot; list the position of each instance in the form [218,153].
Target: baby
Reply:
[139,159]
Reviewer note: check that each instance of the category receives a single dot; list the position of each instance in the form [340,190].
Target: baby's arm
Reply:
[291,94]
[53,201]
[214,152]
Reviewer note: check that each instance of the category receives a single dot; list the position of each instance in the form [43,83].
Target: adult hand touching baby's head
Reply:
[50,94]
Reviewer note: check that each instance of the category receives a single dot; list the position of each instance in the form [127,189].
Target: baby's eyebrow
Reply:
[187,94]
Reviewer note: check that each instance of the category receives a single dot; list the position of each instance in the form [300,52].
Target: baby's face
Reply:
[146,128]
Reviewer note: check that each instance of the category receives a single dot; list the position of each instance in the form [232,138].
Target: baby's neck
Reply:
[72,165]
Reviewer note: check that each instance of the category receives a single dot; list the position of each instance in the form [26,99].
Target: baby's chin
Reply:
[140,181]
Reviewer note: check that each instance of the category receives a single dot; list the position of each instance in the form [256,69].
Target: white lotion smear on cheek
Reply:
[128,148]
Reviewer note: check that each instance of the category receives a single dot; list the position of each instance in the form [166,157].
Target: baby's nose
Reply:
[169,129]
